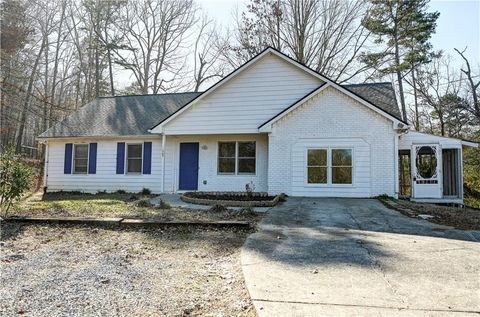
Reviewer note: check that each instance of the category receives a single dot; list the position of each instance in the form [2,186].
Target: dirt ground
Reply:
[83,271]
[461,218]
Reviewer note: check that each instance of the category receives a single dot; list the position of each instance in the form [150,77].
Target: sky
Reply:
[458,25]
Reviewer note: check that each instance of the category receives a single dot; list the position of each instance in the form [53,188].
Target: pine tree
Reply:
[405,27]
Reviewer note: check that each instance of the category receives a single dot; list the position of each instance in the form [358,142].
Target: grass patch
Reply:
[120,205]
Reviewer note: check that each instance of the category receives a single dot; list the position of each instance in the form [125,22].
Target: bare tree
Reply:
[325,35]
[207,54]
[155,32]
[474,107]
[439,89]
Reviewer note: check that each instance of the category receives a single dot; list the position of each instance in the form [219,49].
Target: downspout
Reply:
[164,139]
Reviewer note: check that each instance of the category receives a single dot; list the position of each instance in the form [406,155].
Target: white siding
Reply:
[248,100]
[334,120]
[105,177]
[208,163]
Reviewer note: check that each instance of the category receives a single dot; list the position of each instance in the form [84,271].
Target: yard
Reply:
[59,271]
[79,270]
[116,205]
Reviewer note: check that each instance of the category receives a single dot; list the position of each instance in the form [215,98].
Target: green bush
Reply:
[163,205]
[472,168]
[145,192]
[15,179]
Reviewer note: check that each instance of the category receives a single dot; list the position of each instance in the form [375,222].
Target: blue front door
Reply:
[188,176]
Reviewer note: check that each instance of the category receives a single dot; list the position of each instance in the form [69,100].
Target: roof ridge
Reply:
[370,84]
[146,95]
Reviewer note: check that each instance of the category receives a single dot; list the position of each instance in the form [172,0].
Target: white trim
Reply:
[98,137]
[45,168]
[469,143]
[159,127]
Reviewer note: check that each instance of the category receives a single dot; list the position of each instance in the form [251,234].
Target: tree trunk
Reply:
[417,115]
[26,104]
[400,83]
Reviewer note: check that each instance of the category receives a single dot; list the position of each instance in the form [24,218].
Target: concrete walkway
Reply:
[175,201]
[355,257]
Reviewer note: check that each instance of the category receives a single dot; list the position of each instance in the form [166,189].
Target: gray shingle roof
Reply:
[121,115]
[134,115]
[380,94]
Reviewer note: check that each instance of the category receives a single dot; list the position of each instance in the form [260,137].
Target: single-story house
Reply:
[272,123]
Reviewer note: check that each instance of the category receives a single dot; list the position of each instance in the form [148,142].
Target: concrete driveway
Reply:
[355,257]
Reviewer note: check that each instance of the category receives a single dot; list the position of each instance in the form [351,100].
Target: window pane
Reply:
[341,175]
[226,165]
[317,175]
[246,149]
[134,150]
[246,166]
[317,158]
[134,165]
[342,157]
[80,166]
[226,149]
[81,150]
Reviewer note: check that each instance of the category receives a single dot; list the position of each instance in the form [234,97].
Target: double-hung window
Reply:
[317,166]
[341,166]
[134,158]
[330,166]
[237,157]
[80,158]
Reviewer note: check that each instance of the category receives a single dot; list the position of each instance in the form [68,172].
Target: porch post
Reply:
[164,139]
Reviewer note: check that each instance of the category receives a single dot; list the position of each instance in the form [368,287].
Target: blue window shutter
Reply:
[92,158]
[147,158]
[120,157]
[67,163]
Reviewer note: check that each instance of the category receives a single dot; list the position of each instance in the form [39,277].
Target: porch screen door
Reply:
[426,169]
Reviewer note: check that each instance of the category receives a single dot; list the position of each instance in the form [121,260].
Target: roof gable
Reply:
[244,101]
[352,91]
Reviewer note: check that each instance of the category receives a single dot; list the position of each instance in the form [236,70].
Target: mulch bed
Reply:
[230,196]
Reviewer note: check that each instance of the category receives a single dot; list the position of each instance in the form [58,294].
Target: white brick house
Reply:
[272,122]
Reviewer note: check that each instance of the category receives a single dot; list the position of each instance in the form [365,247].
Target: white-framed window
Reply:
[134,158]
[317,166]
[329,166]
[342,166]
[226,157]
[80,158]
[237,157]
